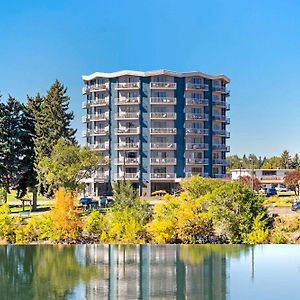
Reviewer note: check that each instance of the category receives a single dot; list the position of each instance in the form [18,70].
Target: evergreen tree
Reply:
[52,123]
[295,164]
[11,133]
[285,160]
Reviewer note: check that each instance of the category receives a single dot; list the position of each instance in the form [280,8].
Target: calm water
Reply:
[201,272]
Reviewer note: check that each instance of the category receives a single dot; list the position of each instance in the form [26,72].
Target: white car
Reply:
[281,189]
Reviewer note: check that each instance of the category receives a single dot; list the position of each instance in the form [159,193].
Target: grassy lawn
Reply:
[276,201]
[17,209]
[13,194]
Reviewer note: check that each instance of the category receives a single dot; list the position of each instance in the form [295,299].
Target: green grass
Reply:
[17,209]
[13,194]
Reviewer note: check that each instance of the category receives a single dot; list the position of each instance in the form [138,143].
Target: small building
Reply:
[266,177]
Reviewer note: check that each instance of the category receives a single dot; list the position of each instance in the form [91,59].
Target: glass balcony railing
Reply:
[196,161]
[163,100]
[196,86]
[127,115]
[161,176]
[94,88]
[128,85]
[166,146]
[163,85]
[196,116]
[162,161]
[190,174]
[127,100]
[196,146]
[163,130]
[121,146]
[196,101]
[126,130]
[196,131]
[157,115]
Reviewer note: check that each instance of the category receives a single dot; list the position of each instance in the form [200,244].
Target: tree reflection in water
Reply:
[115,271]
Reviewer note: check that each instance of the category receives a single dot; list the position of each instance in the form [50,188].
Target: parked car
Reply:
[86,201]
[295,206]
[281,189]
[271,192]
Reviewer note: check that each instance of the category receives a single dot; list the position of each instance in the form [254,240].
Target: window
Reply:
[197,80]
[197,95]
[197,110]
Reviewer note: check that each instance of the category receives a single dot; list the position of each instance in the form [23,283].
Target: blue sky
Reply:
[255,43]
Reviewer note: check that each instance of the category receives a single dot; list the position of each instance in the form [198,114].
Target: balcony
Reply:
[196,131]
[99,146]
[222,104]
[163,100]
[196,101]
[221,147]
[96,102]
[196,116]
[163,131]
[219,175]
[163,85]
[196,86]
[220,89]
[95,88]
[127,161]
[163,161]
[222,162]
[163,146]
[196,161]
[196,146]
[221,118]
[94,132]
[127,176]
[127,101]
[190,174]
[127,116]
[95,117]
[127,131]
[100,177]
[128,85]
[222,132]
[162,176]
[127,146]
[168,116]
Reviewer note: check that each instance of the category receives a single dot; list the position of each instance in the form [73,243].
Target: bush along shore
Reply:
[207,211]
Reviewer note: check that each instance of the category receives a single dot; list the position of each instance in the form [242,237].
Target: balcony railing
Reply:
[220,89]
[163,130]
[196,116]
[196,146]
[219,175]
[99,146]
[127,161]
[126,131]
[222,132]
[196,101]
[128,85]
[221,103]
[95,88]
[127,176]
[95,117]
[92,132]
[127,115]
[166,146]
[196,161]
[196,86]
[221,118]
[124,146]
[98,176]
[163,161]
[221,147]
[127,100]
[190,174]
[223,162]
[163,85]
[170,116]
[161,176]
[96,102]
[163,100]
[192,131]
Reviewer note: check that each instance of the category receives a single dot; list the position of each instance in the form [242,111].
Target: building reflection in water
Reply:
[158,271]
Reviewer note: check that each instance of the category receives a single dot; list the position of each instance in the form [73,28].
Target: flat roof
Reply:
[154,73]
[238,170]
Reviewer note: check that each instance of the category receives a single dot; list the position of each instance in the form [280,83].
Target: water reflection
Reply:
[116,271]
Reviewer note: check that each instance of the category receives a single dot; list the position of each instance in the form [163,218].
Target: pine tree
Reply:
[285,160]
[52,123]
[10,142]
[295,164]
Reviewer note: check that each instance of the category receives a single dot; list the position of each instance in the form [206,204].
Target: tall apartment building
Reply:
[155,128]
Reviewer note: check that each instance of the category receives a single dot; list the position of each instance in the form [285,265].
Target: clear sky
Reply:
[256,43]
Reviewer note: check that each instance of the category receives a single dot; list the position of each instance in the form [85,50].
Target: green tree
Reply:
[68,165]
[53,121]
[295,163]
[11,147]
[273,162]
[285,162]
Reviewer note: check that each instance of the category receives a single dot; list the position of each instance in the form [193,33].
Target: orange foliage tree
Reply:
[291,180]
[66,221]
